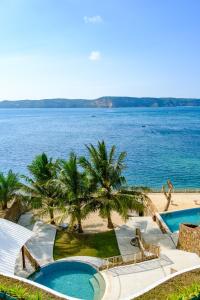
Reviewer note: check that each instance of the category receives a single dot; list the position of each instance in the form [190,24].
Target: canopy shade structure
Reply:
[12,239]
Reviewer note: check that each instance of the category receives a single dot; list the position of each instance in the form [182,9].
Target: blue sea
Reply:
[161,143]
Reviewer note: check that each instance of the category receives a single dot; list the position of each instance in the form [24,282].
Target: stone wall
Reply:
[189,238]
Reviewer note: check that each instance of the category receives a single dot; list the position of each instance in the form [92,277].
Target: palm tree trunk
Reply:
[110,223]
[4,205]
[51,216]
[80,228]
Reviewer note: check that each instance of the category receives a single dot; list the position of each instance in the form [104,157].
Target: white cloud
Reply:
[93,19]
[95,55]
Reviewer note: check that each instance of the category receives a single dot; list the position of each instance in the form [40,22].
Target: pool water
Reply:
[74,279]
[174,219]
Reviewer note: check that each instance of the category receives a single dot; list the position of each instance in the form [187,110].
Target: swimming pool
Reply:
[175,218]
[74,279]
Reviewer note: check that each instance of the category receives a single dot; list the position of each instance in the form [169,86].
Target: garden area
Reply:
[102,244]
[183,287]
[22,291]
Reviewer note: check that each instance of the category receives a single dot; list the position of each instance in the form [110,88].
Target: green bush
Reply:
[17,292]
[188,293]
[17,289]
[185,286]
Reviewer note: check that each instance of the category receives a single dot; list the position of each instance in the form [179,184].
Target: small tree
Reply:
[41,189]
[9,187]
[77,187]
[168,194]
[106,168]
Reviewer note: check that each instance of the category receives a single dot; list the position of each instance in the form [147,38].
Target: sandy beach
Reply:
[94,223]
[179,200]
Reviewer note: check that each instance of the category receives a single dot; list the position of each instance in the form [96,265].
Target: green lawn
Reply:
[103,244]
[182,287]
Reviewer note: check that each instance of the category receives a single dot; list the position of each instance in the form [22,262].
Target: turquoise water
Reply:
[161,143]
[69,278]
[174,219]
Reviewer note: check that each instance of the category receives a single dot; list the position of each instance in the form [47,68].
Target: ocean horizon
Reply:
[161,143]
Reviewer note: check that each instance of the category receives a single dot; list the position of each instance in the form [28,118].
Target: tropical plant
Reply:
[41,189]
[106,170]
[9,187]
[77,188]
[42,168]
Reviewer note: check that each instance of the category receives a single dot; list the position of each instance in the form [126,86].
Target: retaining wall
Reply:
[189,238]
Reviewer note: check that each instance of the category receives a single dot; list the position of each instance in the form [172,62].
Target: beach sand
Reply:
[94,223]
[179,200]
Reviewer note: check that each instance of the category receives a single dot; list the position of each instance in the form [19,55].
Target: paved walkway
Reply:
[124,281]
[143,274]
[124,235]
[150,232]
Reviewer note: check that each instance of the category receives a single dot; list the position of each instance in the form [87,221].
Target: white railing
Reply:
[146,252]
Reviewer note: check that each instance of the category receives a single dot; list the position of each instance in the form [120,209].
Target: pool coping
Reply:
[74,259]
[163,224]
[38,285]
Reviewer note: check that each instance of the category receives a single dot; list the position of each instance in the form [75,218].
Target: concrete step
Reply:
[102,285]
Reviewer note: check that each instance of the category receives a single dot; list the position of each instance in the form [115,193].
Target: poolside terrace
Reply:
[119,279]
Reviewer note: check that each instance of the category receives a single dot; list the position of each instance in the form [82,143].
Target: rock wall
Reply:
[15,211]
[189,238]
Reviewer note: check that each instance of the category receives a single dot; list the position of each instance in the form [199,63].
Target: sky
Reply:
[93,48]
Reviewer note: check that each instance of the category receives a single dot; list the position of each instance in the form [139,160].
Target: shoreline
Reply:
[94,223]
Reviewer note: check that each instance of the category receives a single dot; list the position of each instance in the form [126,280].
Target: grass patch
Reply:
[182,287]
[102,244]
[23,291]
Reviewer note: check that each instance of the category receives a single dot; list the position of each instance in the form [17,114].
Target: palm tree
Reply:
[42,168]
[9,187]
[106,169]
[42,189]
[46,197]
[78,188]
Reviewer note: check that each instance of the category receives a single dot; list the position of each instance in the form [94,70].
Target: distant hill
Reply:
[103,102]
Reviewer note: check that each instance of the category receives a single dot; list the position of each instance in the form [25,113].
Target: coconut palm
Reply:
[9,187]
[78,188]
[42,168]
[106,169]
[46,197]
[41,188]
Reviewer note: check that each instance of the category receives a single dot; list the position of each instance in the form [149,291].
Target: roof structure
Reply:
[12,238]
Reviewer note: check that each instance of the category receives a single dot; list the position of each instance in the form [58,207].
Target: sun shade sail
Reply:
[12,238]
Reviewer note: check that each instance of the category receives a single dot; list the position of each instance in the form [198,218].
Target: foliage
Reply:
[41,189]
[182,287]
[42,168]
[77,188]
[9,187]
[105,168]
[23,291]
[189,293]
[102,244]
